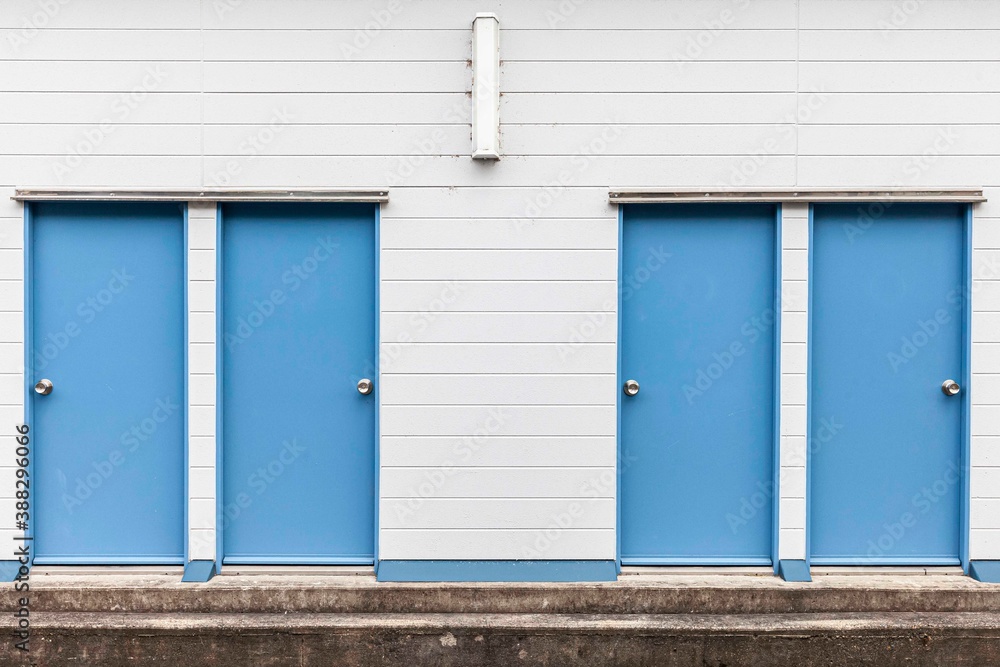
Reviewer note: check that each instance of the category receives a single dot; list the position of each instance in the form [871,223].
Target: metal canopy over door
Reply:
[298,337]
[698,337]
[888,326]
[107,322]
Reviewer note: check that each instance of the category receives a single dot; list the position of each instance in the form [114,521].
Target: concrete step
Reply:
[354,594]
[110,618]
[464,639]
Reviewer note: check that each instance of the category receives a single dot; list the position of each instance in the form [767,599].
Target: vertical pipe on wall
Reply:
[486,87]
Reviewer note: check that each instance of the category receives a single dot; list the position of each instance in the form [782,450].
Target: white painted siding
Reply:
[794,383]
[498,294]
[202,349]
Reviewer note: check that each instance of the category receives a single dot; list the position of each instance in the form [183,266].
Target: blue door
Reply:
[888,324]
[698,335]
[107,322]
[298,336]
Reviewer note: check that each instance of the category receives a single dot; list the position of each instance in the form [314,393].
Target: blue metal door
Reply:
[298,335]
[888,325]
[698,333]
[107,322]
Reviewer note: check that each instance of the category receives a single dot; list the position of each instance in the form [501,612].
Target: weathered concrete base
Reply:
[661,621]
[554,640]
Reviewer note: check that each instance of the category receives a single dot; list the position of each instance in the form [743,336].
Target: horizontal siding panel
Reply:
[68,76]
[176,14]
[900,77]
[11,229]
[337,45]
[125,45]
[11,328]
[279,135]
[500,327]
[526,202]
[499,265]
[11,388]
[11,356]
[92,109]
[646,108]
[985,482]
[497,482]
[99,170]
[936,170]
[639,77]
[109,139]
[986,234]
[986,452]
[11,288]
[986,295]
[558,173]
[531,358]
[496,513]
[497,451]
[11,264]
[498,420]
[984,544]
[369,108]
[898,139]
[548,296]
[863,45]
[539,14]
[552,544]
[904,108]
[499,389]
[986,388]
[611,139]
[356,77]
[533,233]
[986,358]
[679,46]
[884,18]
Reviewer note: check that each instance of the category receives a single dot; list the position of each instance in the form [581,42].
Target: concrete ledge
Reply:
[304,640]
[644,594]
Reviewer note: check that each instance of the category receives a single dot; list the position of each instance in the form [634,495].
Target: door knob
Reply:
[950,388]
[43,387]
[631,387]
[365,386]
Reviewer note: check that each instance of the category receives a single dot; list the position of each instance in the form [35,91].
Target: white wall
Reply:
[519,257]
